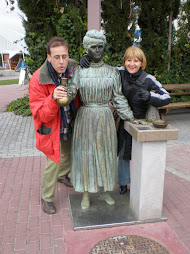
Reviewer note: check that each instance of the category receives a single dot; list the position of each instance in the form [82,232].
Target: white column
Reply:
[94,14]
[147,178]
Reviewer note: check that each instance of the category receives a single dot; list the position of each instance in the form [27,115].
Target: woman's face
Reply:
[133,64]
[96,52]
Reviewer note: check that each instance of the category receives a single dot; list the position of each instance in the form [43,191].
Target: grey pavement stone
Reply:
[5,77]
[180,119]
[17,137]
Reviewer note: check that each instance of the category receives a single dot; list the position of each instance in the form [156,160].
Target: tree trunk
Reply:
[170,38]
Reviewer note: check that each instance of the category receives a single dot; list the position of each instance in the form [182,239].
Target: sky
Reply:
[11,28]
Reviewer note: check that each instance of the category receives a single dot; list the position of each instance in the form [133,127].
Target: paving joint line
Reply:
[177,173]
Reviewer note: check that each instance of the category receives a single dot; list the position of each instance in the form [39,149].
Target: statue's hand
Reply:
[85,61]
[138,121]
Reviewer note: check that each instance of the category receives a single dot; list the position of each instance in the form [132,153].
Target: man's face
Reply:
[96,52]
[59,57]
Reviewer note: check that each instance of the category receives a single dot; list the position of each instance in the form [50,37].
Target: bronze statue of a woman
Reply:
[94,146]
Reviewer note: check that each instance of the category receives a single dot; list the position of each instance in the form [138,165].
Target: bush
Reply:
[20,106]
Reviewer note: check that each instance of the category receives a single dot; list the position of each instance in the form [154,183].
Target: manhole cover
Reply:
[128,244]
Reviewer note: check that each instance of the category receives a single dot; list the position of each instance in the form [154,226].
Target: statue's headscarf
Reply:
[92,37]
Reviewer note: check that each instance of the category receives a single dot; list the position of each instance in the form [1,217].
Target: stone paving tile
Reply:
[10,93]
[183,154]
[179,119]
[17,136]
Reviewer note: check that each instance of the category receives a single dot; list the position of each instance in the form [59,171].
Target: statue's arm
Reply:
[73,84]
[119,101]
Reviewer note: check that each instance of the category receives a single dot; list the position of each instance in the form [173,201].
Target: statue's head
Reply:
[94,42]
[91,37]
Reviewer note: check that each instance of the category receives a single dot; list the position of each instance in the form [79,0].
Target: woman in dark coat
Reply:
[139,97]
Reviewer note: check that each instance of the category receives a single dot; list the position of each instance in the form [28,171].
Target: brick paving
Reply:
[25,228]
[9,93]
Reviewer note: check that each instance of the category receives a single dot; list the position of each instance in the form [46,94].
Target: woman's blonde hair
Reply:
[135,52]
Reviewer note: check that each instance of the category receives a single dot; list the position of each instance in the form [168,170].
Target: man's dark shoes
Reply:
[48,207]
[66,181]
[122,189]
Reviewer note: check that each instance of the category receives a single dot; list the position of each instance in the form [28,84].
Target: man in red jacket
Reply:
[53,123]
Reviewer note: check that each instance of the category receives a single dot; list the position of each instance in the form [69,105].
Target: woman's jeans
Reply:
[123,168]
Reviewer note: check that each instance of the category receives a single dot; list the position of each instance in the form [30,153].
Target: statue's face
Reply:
[96,51]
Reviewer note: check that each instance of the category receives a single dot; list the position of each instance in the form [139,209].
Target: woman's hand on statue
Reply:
[138,121]
[143,95]
[59,93]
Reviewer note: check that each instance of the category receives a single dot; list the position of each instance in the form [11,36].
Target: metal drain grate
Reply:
[128,244]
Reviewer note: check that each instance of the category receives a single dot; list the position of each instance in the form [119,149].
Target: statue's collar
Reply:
[95,65]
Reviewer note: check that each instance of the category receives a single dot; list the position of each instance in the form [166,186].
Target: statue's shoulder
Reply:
[74,70]
[111,68]
[108,66]
[114,70]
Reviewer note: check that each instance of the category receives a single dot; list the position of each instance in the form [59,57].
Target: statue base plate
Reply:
[100,214]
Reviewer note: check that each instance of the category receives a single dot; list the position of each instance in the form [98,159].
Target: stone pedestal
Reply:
[148,169]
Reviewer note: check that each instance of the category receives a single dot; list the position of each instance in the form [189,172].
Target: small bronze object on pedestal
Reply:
[160,124]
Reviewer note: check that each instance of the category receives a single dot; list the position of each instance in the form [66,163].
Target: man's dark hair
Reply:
[55,42]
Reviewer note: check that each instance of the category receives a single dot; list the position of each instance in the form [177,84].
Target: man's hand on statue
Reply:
[59,93]
[85,61]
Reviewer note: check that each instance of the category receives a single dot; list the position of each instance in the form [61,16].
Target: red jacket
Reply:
[45,112]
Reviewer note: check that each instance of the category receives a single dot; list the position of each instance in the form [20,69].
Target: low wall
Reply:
[6,73]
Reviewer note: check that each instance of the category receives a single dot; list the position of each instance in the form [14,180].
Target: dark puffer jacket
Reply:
[158,97]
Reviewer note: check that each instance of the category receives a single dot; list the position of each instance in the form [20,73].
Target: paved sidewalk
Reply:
[9,93]
[25,228]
